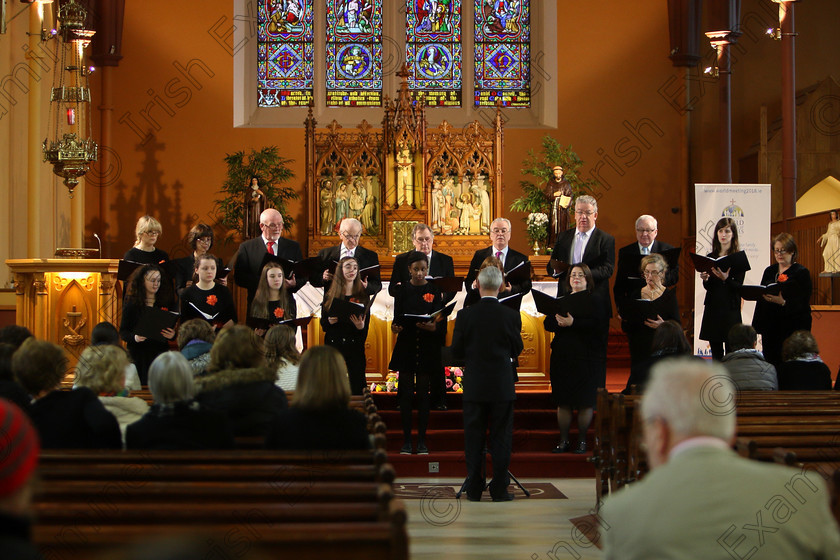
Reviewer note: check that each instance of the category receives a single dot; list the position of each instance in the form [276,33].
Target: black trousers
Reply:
[353,350]
[411,383]
[478,416]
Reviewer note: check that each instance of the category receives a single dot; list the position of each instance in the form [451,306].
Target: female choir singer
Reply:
[348,337]
[206,299]
[576,367]
[779,316]
[200,240]
[148,232]
[272,301]
[417,350]
[722,305]
[145,289]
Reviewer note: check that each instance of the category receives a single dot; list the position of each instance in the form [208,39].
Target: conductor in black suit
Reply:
[251,253]
[350,232]
[628,266]
[440,265]
[500,238]
[487,338]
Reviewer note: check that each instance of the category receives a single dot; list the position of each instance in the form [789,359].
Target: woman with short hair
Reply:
[176,421]
[147,231]
[195,339]
[320,416]
[802,369]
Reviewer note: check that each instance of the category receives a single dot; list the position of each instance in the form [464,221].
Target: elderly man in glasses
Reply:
[350,233]
[500,238]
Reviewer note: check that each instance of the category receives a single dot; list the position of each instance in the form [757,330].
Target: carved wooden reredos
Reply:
[406,173]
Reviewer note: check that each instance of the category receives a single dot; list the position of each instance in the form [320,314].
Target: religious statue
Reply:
[254,206]
[830,241]
[370,216]
[405,175]
[326,204]
[559,191]
[341,204]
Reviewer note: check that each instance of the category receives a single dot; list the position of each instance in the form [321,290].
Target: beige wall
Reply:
[615,106]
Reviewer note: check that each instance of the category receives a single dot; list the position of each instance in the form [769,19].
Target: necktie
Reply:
[646,250]
[499,255]
[578,254]
[270,247]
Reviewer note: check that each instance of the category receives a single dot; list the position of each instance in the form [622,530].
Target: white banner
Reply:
[749,207]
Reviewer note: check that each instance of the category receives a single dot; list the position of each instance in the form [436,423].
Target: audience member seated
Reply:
[239,382]
[65,419]
[14,335]
[17,466]
[701,500]
[746,365]
[802,369]
[176,421]
[107,334]
[282,355]
[10,389]
[102,370]
[195,339]
[320,416]
[669,341]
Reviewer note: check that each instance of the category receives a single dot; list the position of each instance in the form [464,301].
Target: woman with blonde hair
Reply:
[148,232]
[282,355]
[102,370]
[320,416]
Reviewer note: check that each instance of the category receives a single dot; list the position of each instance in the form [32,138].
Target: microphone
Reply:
[100,244]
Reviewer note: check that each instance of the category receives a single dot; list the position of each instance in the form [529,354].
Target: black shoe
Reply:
[473,497]
[422,449]
[562,447]
[581,448]
[506,497]
[406,449]
[441,407]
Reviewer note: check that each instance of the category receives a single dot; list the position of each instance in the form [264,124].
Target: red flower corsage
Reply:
[164,309]
[355,300]
[212,299]
[279,312]
[782,277]
[428,298]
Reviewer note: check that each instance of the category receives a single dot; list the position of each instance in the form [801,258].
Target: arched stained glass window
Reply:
[433,50]
[502,53]
[285,53]
[354,53]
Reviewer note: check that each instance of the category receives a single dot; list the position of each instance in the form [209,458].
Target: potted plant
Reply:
[272,173]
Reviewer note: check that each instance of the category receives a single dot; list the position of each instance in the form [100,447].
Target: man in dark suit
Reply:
[249,258]
[487,338]
[350,232]
[629,258]
[500,238]
[440,265]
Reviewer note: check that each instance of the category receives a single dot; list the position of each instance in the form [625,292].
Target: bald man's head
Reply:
[271,224]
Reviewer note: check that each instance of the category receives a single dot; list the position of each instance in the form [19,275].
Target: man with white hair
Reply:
[486,337]
[629,258]
[701,500]
[350,232]
[500,232]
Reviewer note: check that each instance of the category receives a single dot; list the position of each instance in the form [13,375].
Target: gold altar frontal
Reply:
[61,300]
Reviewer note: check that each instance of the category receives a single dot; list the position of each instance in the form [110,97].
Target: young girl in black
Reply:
[207,299]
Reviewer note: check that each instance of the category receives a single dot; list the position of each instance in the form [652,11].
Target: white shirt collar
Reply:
[642,247]
[698,441]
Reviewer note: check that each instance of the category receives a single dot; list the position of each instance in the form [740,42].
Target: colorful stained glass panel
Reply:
[433,51]
[284,53]
[502,53]
[354,53]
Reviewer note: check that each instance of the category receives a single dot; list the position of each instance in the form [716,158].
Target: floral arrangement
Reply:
[537,226]
[392,382]
[454,379]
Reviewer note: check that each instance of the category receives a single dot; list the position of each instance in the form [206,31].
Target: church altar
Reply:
[533,362]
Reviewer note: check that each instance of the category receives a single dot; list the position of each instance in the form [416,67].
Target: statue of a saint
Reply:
[405,175]
[326,203]
[830,241]
[559,191]
[254,205]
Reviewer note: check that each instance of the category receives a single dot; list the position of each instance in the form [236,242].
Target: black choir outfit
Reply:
[416,354]
[576,371]
[185,270]
[135,254]
[639,335]
[142,353]
[350,342]
[512,259]
[721,308]
[216,300]
[364,257]
[249,258]
[777,322]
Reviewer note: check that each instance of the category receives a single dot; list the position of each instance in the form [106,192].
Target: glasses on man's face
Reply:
[346,235]
[500,230]
[275,225]
[587,213]
[645,230]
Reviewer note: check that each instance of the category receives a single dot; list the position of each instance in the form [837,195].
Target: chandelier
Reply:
[71,148]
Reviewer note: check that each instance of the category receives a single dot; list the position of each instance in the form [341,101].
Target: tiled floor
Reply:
[522,529]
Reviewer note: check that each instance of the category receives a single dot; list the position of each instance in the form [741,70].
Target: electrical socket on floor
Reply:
[434,467]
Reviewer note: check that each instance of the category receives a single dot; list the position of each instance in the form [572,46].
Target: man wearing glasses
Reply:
[350,232]
[627,270]
[500,238]
[251,253]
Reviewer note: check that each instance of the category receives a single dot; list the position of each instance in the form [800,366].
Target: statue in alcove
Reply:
[254,206]
[830,242]
[405,174]
[326,204]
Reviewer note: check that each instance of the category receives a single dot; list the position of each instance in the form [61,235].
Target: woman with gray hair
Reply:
[176,421]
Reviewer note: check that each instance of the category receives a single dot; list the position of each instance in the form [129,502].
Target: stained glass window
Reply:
[502,53]
[285,53]
[354,53]
[433,50]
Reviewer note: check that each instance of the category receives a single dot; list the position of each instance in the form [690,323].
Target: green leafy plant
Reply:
[272,172]
[539,165]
